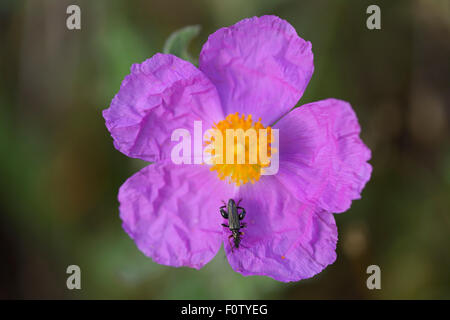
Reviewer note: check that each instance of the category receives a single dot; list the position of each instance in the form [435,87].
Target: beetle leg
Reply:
[223,213]
[225,225]
[229,242]
[242,214]
[239,201]
[243,225]
[243,246]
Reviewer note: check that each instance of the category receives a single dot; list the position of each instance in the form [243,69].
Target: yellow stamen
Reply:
[243,163]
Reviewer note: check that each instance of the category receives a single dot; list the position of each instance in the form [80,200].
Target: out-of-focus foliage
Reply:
[178,42]
[60,172]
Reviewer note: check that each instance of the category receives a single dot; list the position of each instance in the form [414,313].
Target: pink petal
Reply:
[172,213]
[322,159]
[284,238]
[260,66]
[160,95]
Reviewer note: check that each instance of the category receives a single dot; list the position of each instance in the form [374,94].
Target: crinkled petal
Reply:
[284,238]
[160,95]
[172,213]
[322,158]
[260,66]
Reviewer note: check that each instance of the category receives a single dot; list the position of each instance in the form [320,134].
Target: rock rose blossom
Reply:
[255,69]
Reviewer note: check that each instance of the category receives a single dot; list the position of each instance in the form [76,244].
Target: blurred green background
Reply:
[59,171]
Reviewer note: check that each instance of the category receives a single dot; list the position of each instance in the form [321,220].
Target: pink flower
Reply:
[258,67]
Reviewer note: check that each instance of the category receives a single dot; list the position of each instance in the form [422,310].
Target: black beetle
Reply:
[234,220]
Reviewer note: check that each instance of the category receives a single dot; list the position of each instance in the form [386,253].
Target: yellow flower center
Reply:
[240,149]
